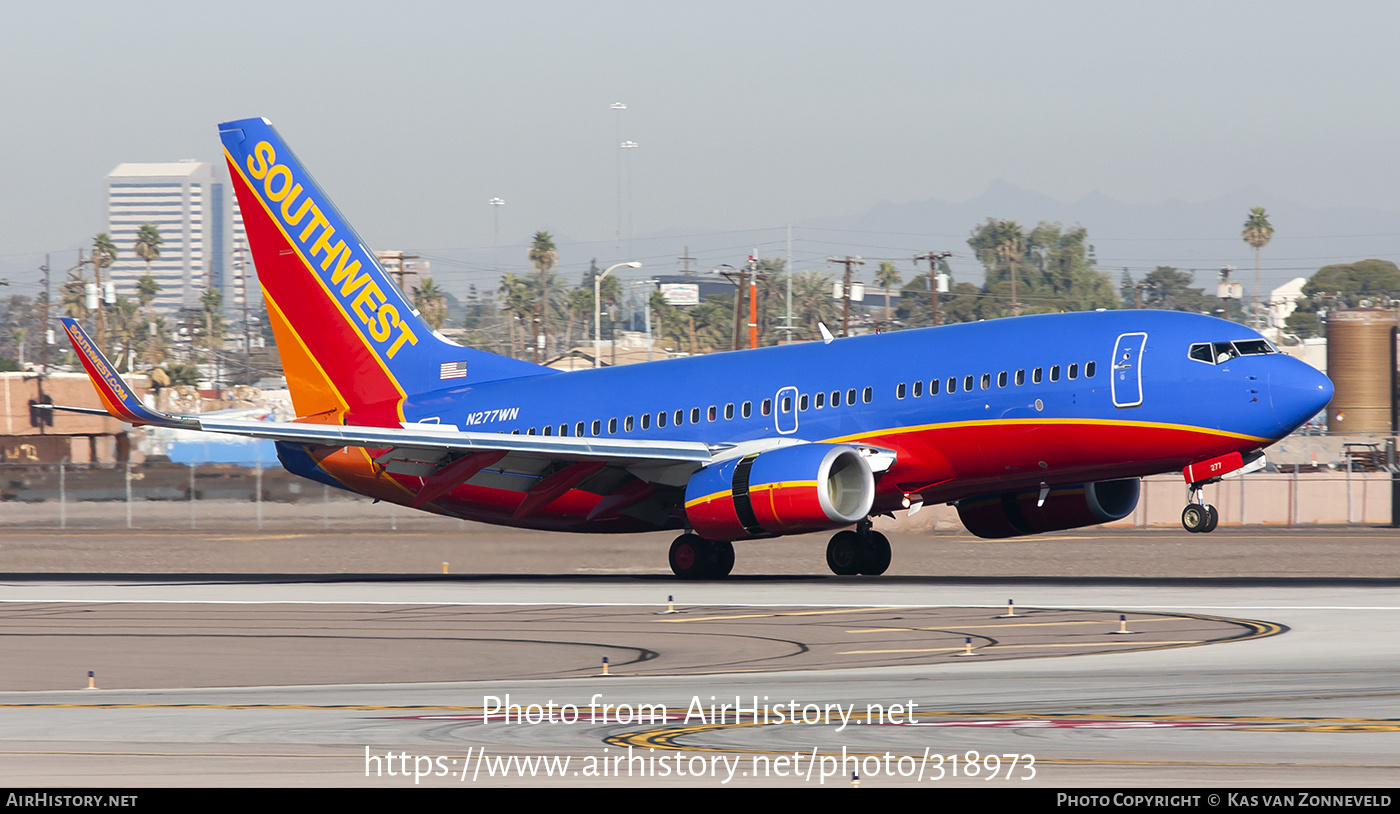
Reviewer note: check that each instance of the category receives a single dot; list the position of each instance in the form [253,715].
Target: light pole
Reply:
[496,204]
[619,107]
[598,308]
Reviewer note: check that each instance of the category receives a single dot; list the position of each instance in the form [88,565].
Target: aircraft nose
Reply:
[1297,391]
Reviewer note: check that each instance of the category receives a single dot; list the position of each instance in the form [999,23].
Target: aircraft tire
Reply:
[875,554]
[724,559]
[843,553]
[692,557]
[1212,521]
[1194,518]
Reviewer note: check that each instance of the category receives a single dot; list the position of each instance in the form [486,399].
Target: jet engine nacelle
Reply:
[1012,514]
[808,487]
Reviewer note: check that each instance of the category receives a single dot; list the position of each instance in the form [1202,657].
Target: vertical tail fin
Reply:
[350,342]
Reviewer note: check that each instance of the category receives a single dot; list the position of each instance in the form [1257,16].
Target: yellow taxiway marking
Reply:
[783,613]
[995,647]
[1008,624]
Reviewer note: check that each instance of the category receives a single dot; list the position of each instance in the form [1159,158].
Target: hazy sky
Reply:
[748,114]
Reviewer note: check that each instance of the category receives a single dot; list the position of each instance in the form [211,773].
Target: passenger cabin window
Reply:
[918,389]
[867,394]
[563,430]
[661,419]
[680,417]
[967,384]
[627,424]
[578,429]
[1001,379]
[821,401]
[530,431]
[786,404]
[1035,376]
[1089,370]
[597,428]
[952,384]
[712,413]
[986,380]
[747,409]
[612,426]
[933,387]
[728,411]
[899,390]
[835,398]
[515,432]
[548,430]
[646,421]
[766,408]
[1020,377]
[695,415]
[802,403]
[1074,371]
[1054,373]
[851,396]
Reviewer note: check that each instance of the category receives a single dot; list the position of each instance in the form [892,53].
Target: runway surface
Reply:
[1301,690]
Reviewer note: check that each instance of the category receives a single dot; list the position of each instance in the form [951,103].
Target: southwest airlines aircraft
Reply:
[1026,425]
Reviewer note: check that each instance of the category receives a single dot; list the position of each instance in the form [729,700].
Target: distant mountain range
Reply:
[1201,236]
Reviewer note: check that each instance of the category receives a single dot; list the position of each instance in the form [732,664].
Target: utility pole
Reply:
[848,262]
[247,335]
[933,258]
[45,416]
[686,259]
[740,279]
[753,299]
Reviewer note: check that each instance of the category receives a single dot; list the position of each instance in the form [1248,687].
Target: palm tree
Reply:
[543,256]
[104,254]
[148,243]
[1257,233]
[887,276]
[516,302]
[431,303]
[1010,244]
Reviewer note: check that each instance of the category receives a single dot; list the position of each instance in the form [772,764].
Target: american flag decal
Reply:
[453,370]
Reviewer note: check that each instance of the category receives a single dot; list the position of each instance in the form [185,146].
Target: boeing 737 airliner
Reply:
[1027,425]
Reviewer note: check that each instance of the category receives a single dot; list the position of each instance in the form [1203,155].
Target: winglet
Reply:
[116,396]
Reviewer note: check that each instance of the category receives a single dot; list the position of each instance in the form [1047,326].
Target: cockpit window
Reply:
[1254,347]
[1218,353]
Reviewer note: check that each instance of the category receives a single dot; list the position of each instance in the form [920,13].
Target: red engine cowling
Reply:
[1012,514]
[808,487]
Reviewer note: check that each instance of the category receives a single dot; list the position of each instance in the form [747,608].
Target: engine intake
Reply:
[1012,514]
[801,488]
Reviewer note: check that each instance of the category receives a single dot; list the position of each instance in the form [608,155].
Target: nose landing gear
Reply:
[1198,517]
[863,551]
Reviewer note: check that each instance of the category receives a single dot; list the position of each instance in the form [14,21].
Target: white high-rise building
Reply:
[190,204]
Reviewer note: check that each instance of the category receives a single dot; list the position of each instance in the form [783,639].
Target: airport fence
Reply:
[221,496]
[190,496]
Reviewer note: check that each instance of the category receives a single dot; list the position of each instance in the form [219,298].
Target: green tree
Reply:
[1054,264]
[431,303]
[1257,233]
[887,276]
[104,254]
[544,258]
[148,243]
[1343,285]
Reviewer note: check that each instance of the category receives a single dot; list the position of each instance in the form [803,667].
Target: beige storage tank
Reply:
[1361,364]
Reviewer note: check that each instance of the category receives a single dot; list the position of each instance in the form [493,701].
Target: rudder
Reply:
[351,344]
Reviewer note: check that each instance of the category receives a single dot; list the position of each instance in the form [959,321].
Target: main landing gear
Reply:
[863,551]
[694,557]
[1198,517]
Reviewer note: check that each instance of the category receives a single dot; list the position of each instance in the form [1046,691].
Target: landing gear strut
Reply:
[694,557]
[863,551]
[1198,516]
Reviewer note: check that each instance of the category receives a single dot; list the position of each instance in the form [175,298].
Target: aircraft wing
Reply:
[123,404]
